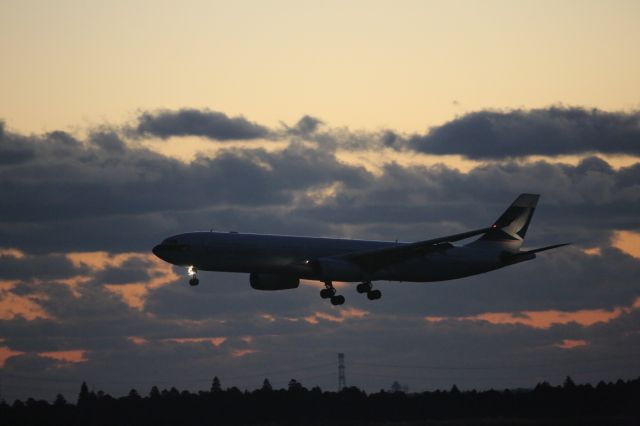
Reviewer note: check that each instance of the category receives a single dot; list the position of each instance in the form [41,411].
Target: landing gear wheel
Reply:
[326,293]
[329,292]
[364,287]
[337,300]
[374,295]
[194,282]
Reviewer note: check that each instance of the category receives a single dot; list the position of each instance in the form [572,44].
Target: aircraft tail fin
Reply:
[511,227]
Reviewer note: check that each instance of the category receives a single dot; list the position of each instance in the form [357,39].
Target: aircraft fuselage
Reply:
[256,253]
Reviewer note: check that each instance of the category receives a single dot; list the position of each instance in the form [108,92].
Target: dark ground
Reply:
[605,404]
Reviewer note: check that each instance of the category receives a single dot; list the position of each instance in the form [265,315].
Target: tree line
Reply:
[608,403]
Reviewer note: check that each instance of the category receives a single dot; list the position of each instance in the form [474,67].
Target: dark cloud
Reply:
[305,126]
[193,122]
[69,180]
[51,266]
[12,154]
[133,270]
[520,133]
[108,141]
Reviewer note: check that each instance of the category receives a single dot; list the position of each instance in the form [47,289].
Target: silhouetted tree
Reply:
[215,385]
[294,386]
[60,401]
[266,385]
[543,386]
[569,383]
[133,394]
[83,396]
[154,393]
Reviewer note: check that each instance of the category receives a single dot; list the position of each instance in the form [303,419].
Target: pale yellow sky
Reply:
[405,65]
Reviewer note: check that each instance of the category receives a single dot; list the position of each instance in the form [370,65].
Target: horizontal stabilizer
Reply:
[522,256]
[538,250]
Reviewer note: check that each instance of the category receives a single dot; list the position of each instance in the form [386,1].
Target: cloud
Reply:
[106,193]
[518,133]
[26,268]
[193,122]
[132,270]
[305,126]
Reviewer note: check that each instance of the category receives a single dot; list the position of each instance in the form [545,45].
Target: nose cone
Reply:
[158,251]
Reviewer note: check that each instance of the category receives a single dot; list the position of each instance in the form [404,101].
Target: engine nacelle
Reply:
[338,270]
[273,281]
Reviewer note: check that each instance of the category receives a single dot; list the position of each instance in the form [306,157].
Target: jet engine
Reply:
[273,281]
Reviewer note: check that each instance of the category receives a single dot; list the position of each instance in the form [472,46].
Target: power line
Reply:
[501,367]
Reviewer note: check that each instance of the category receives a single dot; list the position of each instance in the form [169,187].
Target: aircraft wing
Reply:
[374,260]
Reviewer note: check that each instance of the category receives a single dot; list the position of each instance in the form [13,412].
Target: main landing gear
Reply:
[193,274]
[329,292]
[367,287]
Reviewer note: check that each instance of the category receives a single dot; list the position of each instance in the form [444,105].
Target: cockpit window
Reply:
[173,244]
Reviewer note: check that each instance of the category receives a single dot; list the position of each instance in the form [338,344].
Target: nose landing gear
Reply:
[329,292]
[193,274]
[367,287]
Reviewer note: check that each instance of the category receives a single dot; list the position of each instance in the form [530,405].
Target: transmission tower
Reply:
[342,380]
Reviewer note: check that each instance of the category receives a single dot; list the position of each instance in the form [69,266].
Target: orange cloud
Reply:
[592,251]
[74,284]
[6,353]
[268,317]
[571,344]
[72,356]
[320,285]
[133,294]
[628,242]
[345,313]
[13,305]
[238,353]
[545,319]
[11,252]
[215,341]
[137,340]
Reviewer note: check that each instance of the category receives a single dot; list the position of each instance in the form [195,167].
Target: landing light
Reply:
[191,271]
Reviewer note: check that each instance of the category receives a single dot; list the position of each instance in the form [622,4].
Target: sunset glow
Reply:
[6,353]
[546,319]
[71,356]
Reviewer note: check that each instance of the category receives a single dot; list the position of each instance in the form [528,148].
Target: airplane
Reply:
[279,262]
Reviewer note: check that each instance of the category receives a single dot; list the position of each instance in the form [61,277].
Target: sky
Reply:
[122,123]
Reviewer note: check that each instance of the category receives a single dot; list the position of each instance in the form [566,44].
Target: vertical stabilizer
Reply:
[510,228]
